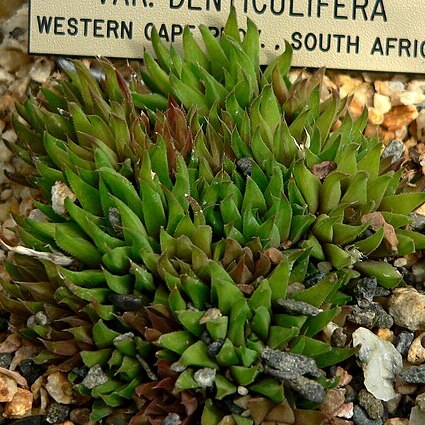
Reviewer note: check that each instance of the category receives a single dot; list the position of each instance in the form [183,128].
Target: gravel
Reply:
[413,375]
[57,413]
[30,370]
[403,342]
[126,302]
[289,365]
[360,417]
[95,377]
[298,307]
[373,407]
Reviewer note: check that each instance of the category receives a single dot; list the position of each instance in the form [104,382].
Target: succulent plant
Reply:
[179,224]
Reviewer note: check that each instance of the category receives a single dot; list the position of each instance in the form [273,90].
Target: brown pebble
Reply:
[397,421]
[400,116]
[20,404]
[416,353]
[80,416]
[333,400]
[8,388]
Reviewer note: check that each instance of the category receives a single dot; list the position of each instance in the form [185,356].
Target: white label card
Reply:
[368,35]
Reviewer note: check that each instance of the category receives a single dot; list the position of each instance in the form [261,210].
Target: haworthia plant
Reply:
[184,217]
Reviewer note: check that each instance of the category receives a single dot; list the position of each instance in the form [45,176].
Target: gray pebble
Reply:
[288,365]
[126,302]
[298,307]
[245,166]
[414,374]
[370,315]
[365,288]
[172,419]
[418,222]
[404,341]
[309,389]
[95,377]
[114,218]
[373,407]
[339,337]
[395,149]
[5,360]
[57,412]
[360,417]
[314,279]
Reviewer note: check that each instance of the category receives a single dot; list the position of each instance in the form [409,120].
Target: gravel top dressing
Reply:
[194,239]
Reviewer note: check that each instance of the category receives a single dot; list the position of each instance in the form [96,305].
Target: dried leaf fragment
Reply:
[376,221]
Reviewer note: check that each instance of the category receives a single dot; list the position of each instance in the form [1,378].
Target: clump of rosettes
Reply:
[197,216]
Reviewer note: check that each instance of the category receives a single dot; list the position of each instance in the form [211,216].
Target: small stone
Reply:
[5,360]
[298,307]
[172,419]
[20,404]
[366,288]
[81,371]
[376,117]
[394,149]
[210,314]
[59,388]
[420,401]
[57,412]
[404,340]
[392,404]
[407,307]
[339,337]
[324,266]
[345,411]
[31,370]
[400,116]
[385,334]
[380,362]
[243,391]
[245,166]
[416,353]
[396,421]
[404,388]
[8,388]
[117,417]
[372,315]
[314,279]
[373,407]
[417,416]
[126,302]
[215,347]
[80,416]
[309,389]
[418,269]
[344,378]
[95,377]
[392,89]
[295,288]
[400,262]
[334,399]
[411,98]
[123,337]
[40,70]
[382,103]
[360,417]
[413,375]
[205,377]
[60,191]
[288,364]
